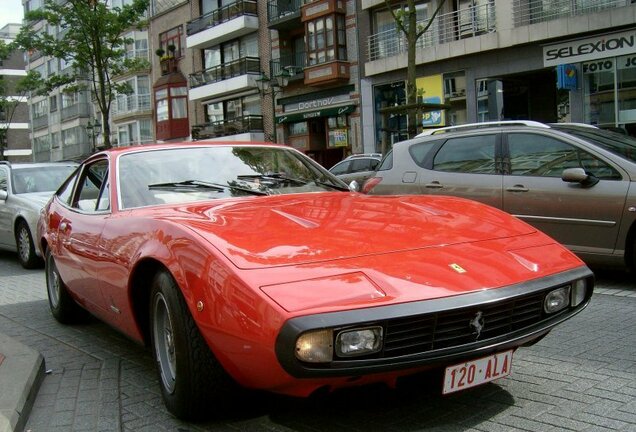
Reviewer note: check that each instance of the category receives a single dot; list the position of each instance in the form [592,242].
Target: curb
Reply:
[21,373]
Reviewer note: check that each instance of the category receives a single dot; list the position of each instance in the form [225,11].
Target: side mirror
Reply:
[578,175]
[354,186]
[3,195]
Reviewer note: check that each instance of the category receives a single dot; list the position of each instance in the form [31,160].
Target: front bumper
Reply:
[508,311]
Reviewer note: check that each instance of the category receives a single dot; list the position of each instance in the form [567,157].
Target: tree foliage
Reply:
[91,38]
[406,22]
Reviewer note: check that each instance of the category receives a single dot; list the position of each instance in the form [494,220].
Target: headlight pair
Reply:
[570,295]
[319,346]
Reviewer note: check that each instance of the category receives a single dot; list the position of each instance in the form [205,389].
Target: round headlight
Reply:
[557,300]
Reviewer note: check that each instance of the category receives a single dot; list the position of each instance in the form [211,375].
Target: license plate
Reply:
[476,372]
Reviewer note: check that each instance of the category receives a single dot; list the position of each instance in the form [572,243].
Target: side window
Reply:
[537,155]
[474,155]
[340,168]
[358,165]
[387,162]
[66,190]
[103,203]
[91,183]
[374,164]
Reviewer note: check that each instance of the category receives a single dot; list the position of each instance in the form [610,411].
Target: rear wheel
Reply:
[193,383]
[63,307]
[26,248]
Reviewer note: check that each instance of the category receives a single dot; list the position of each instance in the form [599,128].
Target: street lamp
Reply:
[93,129]
[269,86]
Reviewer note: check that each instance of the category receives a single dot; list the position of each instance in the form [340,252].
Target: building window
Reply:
[326,39]
[174,36]
[53,103]
[40,108]
[233,109]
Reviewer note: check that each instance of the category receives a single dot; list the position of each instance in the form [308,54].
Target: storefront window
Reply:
[299,128]
[392,127]
[598,82]
[626,83]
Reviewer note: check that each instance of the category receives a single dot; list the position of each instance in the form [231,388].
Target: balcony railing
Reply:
[525,12]
[467,22]
[277,9]
[137,53]
[225,71]
[294,63]
[251,123]
[77,110]
[40,122]
[125,104]
[221,15]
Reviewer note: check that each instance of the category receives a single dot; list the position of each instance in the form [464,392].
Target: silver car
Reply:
[358,167]
[574,182]
[24,189]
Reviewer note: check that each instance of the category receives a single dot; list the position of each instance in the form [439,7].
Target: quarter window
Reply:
[92,195]
[475,155]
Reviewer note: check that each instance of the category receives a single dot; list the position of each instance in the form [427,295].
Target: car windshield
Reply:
[619,144]
[39,178]
[200,173]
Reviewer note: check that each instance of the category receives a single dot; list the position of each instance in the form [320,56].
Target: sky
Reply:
[11,11]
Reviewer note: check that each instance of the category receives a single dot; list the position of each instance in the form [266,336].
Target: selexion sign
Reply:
[598,47]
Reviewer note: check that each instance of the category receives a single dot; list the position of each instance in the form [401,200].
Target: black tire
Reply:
[63,308]
[193,384]
[25,246]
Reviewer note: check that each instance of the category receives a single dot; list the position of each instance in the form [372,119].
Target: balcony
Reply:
[40,122]
[223,24]
[137,54]
[225,79]
[525,12]
[130,104]
[74,111]
[224,128]
[284,14]
[465,23]
[293,63]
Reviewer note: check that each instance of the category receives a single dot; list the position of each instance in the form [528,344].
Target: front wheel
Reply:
[26,248]
[193,383]
[63,307]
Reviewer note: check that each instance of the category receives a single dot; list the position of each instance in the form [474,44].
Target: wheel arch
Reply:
[139,289]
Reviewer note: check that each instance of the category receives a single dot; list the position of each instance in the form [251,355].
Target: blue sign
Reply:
[567,77]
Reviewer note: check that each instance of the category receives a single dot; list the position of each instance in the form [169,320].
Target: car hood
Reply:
[319,227]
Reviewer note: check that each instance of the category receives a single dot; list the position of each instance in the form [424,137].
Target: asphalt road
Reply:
[581,377]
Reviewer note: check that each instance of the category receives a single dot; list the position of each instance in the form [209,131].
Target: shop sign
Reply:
[327,112]
[338,138]
[566,77]
[317,103]
[628,62]
[593,48]
[606,65]
[433,88]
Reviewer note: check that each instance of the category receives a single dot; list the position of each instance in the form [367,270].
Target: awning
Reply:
[325,112]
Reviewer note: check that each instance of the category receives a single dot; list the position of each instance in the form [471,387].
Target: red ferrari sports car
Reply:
[251,264]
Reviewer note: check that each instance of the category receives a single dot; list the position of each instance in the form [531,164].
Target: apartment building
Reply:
[14,121]
[546,60]
[315,48]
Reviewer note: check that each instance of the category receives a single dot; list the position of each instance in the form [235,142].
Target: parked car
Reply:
[574,182]
[358,167]
[251,264]
[24,189]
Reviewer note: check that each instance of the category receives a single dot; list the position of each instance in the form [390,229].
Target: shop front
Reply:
[321,127]
[606,65]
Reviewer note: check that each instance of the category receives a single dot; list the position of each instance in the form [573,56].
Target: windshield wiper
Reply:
[321,182]
[187,184]
[276,177]
[195,184]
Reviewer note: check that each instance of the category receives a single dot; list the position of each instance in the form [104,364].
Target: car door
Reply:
[79,254]
[465,166]
[6,215]
[584,218]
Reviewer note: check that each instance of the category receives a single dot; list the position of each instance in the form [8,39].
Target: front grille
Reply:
[448,329]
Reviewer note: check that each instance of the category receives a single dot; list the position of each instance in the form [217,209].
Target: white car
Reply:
[24,189]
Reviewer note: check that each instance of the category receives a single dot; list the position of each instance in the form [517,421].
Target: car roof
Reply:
[499,124]
[22,165]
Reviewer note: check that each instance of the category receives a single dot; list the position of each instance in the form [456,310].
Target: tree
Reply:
[91,38]
[406,21]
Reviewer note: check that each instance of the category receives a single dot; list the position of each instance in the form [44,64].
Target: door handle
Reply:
[517,188]
[434,185]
